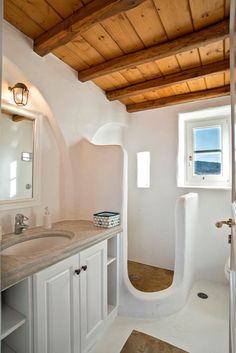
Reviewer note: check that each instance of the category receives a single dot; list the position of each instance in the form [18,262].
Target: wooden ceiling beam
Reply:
[168,80]
[181,98]
[205,36]
[81,20]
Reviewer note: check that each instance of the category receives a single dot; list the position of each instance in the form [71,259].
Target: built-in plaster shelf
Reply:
[11,320]
[6,349]
[110,259]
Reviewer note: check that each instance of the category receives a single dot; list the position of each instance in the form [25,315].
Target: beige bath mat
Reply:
[139,342]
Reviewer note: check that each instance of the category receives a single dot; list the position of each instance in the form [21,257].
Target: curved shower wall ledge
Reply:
[168,301]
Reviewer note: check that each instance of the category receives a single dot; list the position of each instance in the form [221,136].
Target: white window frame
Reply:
[186,176]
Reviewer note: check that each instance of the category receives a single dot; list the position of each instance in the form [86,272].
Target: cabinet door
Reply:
[93,287]
[56,308]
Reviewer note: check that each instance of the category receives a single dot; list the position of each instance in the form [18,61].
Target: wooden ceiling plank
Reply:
[73,49]
[99,39]
[80,21]
[123,33]
[226,47]
[40,11]
[65,8]
[89,54]
[138,99]
[132,75]
[111,82]
[69,57]
[189,59]
[168,65]
[182,98]
[212,53]
[20,20]
[181,88]
[197,84]
[126,101]
[187,42]
[150,70]
[120,80]
[206,12]
[165,92]
[151,95]
[104,83]
[147,24]
[169,80]
[175,17]
[215,80]
[227,77]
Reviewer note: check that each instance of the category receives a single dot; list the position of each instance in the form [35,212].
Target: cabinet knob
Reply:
[84,267]
[77,272]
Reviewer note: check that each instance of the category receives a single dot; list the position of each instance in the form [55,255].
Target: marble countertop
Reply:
[83,234]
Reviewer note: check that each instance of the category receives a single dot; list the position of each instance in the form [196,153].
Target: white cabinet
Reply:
[56,308]
[73,302]
[93,289]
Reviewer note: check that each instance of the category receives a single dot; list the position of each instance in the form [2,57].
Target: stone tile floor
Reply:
[149,278]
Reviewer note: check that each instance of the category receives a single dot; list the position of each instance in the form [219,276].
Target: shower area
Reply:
[152,205]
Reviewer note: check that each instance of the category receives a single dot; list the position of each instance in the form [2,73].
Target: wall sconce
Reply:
[20,93]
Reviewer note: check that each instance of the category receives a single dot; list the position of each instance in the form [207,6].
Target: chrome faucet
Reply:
[19,223]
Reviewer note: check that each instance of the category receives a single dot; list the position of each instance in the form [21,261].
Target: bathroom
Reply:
[80,131]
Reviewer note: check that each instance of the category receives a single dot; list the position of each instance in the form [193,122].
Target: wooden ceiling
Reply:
[145,53]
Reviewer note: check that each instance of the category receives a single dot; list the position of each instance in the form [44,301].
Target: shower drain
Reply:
[202,295]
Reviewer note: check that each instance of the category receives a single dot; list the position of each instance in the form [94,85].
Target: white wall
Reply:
[74,110]
[151,211]
[99,175]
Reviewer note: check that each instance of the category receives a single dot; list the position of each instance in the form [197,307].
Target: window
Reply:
[204,153]
[143,169]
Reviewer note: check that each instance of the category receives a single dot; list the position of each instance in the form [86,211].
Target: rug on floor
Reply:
[139,342]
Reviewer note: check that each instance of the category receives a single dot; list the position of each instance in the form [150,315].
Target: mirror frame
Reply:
[34,201]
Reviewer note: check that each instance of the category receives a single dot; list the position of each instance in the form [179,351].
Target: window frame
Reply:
[187,178]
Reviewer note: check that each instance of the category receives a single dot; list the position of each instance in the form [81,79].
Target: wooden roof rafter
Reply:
[81,20]
[178,99]
[168,80]
[208,35]
[137,51]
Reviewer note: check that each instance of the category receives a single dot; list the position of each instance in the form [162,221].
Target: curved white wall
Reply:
[136,303]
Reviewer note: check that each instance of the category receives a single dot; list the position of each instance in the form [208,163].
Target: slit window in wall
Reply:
[143,169]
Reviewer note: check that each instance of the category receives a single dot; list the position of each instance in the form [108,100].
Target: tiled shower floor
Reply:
[149,278]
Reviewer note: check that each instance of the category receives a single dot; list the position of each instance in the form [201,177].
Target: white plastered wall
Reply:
[151,211]
[72,111]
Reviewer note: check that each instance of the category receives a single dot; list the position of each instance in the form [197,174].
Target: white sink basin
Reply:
[41,243]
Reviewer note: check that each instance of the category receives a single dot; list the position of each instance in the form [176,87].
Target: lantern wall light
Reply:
[20,93]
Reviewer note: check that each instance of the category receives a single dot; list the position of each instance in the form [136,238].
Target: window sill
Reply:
[226,187]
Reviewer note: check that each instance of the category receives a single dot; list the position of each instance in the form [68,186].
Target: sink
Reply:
[44,242]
